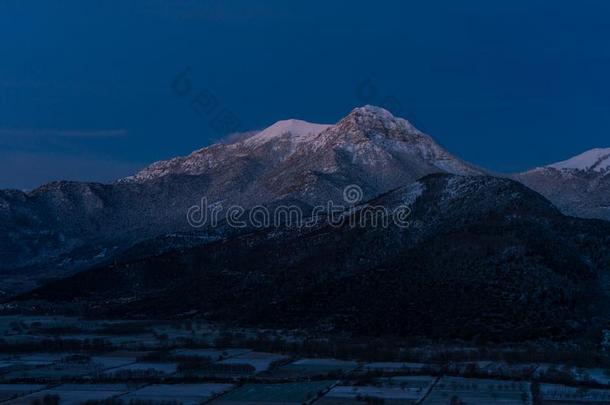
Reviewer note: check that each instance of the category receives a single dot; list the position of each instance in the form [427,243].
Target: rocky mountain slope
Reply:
[312,162]
[482,257]
[579,186]
[65,226]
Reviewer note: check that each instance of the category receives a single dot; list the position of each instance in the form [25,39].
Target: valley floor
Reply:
[47,360]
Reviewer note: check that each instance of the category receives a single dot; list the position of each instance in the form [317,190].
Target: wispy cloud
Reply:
[62,133]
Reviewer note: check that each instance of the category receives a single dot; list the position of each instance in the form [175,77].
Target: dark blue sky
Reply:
[86,86]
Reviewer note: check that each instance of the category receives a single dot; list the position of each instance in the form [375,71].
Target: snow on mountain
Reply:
[369,147]
[595,159]
[478,246]
[284,136]
[370,135]
[292,160]
[579,186]
[297,130]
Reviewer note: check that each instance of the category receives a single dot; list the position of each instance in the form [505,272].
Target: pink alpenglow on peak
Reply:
[298,131]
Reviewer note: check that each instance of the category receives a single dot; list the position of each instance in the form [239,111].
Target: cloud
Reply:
[237,137]
[62,133]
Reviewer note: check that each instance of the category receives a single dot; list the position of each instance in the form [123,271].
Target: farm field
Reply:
[478,392]
[185,394]
[111,361]
[597,375]
[71,394]
[358,395]
[211,353]
[393,367]
[141,368]
[287,394]
[416,382]
[392,391]
[314,367]
[9,391]
[59,370]
[554,394]
[259,361]
[143,361]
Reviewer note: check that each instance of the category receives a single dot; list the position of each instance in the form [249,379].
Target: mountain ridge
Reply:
[63,227]
[377,119]
[579,186]
[483,258]
[597,159]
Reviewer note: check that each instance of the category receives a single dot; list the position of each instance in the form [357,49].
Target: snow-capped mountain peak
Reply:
[377,139]
[373,117]
[298,130]
[579,186]
[374,110]
[597,160]
[369,136]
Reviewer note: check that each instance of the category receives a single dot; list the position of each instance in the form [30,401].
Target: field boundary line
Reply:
[47,387]
[330,387]
[428,391]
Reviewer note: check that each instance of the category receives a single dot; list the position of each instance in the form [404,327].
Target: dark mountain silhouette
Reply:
[482,257]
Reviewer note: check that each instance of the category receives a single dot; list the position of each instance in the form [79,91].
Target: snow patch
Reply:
[390,122]
[413,192]
[298,130]
[597,160]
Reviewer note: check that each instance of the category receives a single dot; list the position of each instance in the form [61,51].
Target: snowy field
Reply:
[359,395]
[260,361]
[553,393]
[393,367]
[70,394]
[314,367]
[286,394]
[147,360]
[186,394]
[210,353]
[145,367]
[478,392]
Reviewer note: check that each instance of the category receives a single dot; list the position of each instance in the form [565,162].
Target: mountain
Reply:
[478,256]
[481,257]
[65,226]
[579,186]
[597,160]
[312,162]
